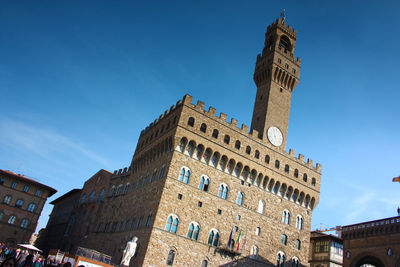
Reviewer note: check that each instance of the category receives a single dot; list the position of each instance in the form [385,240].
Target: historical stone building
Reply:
[22,201]
[55,235]
[373,243]
[201,191]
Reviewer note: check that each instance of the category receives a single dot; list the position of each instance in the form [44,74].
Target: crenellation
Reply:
[234,123]
[301,158]
[310,162]
[187,99]
[125,170]
[223,116]
[319,167]
[200,106]
[245,128]
[212,111]
[292,153]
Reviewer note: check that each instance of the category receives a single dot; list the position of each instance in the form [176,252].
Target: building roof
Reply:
[66,195]
[319,234]
[21,177]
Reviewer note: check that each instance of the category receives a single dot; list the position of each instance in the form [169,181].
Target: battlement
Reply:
[281,24]
[121,172]
[244,130]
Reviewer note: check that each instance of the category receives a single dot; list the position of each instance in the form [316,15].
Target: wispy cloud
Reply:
[43,142]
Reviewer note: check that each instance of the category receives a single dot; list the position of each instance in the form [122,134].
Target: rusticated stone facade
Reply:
[195,179]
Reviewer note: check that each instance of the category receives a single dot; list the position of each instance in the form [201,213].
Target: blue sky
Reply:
[79,80]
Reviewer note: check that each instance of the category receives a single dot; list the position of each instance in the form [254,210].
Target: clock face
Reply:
[275,136]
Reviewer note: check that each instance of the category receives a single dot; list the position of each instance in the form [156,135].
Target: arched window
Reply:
[203,127]
[313,182]
[161,174]
[299,222]
[284,42]
[191,121]
[214,159]
[239,199]
[286,217]
[172,223]
[194,230]
[248,150]
[190,148]
[184,175]
[296,173]
[277,164]
[267,159]
[215,133]
[213,238]
[153,176]
[280,259]
[227,139]
[297,244]
[223,191]
[119,190]
[91,196]
[261,206]
[82,200]
[171,256]
[19,203]
[182,144]
[126,188]
[11,219]
[101,195]
[305,177]
[237,144]
[257,154]
[258,231]
[24,223]
[31,207]
[204,263]
[204,183]
[254,252]
[296,262]
[284,239]
[287,168]
[7,200]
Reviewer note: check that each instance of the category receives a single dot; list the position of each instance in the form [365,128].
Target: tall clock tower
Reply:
[276,75]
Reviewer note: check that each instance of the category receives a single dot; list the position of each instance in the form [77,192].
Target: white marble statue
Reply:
[129,251]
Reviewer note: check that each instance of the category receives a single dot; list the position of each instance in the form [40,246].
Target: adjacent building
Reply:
[202,191]
[325,250]
[22,201]
[374,243]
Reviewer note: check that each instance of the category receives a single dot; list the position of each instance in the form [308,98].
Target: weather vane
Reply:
[283,14]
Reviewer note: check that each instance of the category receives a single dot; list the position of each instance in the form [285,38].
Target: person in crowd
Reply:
[28,262]
[9,262]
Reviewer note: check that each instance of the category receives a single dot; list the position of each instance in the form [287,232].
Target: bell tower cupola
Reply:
[276,75]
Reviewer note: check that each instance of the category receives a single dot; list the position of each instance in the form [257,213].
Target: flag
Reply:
[396,179]
[230,239]
[238,240]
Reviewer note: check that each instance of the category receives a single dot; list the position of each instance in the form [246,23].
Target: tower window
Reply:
[191,121]
[296,173]
[257,154]
[305,177]
[281,90]
[277,163]
[287,66]
[215,133]
[248,150]
[279,60]
[237,144]
[287,168]
[203,127]
[294,71]
[267,159]
[226,139]
[313,182]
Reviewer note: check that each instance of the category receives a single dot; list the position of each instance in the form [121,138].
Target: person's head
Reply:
[9,262]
